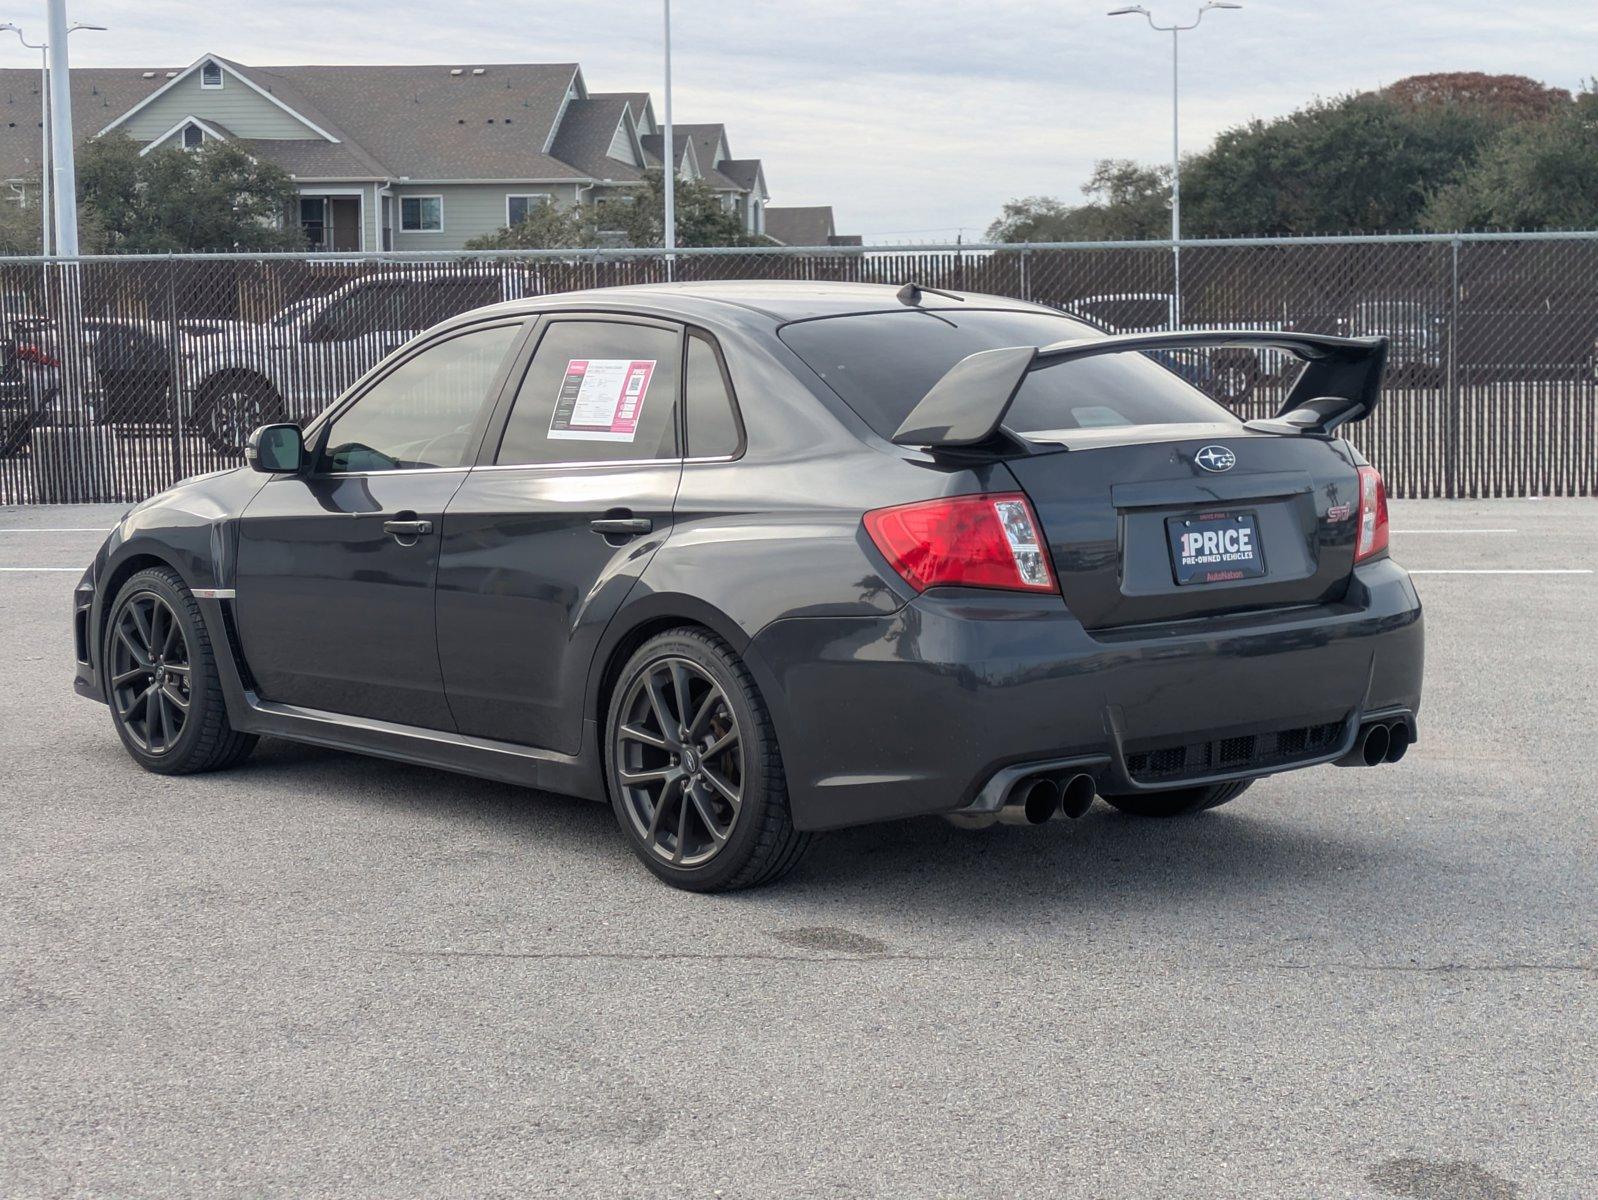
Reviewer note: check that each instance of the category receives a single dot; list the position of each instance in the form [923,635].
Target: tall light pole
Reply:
[63,169]
[1175,30]
[669,156]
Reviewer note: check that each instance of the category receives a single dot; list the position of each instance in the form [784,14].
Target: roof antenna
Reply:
[911,292]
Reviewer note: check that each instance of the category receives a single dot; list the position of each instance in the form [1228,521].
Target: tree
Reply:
[1535,175]
[1513,97]
[21,223]
[545,227]
[701,220]
[215,198]
[1374,161]
[1125,201]
[1362,163]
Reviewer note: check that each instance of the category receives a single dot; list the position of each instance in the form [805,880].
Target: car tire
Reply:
[716,823]
[232,406]
[1179,802]
[15,435]
[156,646]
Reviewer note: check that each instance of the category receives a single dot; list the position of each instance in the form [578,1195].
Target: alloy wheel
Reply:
[151,676]
[679,763]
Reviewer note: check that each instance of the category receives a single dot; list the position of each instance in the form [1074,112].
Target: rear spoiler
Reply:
[1340,381]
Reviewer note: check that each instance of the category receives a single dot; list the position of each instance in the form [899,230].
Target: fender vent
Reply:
[1255,752]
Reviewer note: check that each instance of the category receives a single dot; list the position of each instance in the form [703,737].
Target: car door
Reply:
[336,565]
[545,538]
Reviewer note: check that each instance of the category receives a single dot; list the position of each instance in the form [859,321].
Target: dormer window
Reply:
[193,136]
[211,74]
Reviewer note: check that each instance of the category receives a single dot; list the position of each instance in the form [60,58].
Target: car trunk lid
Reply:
[1116,504]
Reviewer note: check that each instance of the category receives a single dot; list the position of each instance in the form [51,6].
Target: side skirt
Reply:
[485,758]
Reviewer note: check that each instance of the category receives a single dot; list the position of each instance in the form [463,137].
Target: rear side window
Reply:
[713,427]
[881,364]
[596,391]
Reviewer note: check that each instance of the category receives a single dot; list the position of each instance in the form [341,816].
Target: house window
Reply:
[313,219]
[211,75]
[193,137]
[422,214]
[519,207]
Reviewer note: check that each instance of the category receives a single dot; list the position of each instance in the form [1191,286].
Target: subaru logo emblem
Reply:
[1216,458]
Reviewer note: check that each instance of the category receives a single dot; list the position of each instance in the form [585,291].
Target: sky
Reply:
[915,121]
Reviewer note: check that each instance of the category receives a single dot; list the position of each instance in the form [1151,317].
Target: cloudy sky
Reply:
[915,120]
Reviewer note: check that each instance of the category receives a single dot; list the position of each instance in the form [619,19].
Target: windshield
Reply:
[882,364]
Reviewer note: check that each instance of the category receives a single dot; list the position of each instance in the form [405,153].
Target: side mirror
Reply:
[275,449]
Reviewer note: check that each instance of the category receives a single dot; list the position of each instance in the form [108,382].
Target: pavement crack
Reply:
[1436,968]
[663,956]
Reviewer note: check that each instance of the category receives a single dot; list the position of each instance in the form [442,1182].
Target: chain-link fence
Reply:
[119,376]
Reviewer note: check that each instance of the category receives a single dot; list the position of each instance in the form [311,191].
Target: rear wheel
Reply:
[161,680]
[233,406]
[695,776]
[1179,802]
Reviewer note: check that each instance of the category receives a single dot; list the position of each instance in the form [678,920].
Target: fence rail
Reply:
[120,375]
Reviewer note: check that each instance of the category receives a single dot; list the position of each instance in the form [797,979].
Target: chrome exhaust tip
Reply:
[1033,802]
[1398,740]
[1370,747]
[1076,795]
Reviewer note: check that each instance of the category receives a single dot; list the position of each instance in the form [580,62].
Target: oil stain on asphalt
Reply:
[828,940]
[1441,1179]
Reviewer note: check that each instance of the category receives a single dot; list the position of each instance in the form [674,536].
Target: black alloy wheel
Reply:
[679,762]
[161,679]
[695,775]
[151,676]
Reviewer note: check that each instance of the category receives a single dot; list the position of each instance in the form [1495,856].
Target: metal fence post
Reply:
[1026,276]
[174,364]
[1453,485]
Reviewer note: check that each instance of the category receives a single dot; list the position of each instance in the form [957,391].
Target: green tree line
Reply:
[1439,153]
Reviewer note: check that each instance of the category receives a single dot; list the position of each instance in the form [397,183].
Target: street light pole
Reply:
[1175,30]
[63,169]
[669,158]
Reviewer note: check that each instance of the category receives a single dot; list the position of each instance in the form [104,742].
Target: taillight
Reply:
[29,353]
[987,541]
[1372,515]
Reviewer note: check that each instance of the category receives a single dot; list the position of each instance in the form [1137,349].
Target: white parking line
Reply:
[1502,571]
[79,570]
[1454,531]
[78,529]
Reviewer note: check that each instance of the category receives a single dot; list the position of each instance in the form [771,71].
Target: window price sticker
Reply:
[601,399]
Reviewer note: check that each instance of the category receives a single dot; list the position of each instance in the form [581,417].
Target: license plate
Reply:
[1215,547]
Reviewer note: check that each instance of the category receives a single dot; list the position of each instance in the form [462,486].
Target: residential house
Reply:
[807,226]
[394,157]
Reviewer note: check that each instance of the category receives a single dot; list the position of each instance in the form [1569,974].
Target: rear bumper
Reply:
[915,713]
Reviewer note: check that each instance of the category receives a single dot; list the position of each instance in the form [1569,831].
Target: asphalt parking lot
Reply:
[327,975]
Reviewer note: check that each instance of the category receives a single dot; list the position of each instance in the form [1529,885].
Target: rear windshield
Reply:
[881,364]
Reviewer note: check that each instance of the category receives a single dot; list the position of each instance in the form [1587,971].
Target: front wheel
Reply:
[1179,802]
[695,775]
[161,680]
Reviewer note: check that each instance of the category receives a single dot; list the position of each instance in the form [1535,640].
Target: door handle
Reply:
[407,529]
[627,526]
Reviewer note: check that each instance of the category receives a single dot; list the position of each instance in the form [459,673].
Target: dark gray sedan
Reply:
[753,560]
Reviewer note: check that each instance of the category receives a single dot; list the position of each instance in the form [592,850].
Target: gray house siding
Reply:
[470,210]
[236,105]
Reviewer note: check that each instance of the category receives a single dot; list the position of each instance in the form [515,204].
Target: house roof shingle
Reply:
[800,226]
[708,141]
[586,132]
